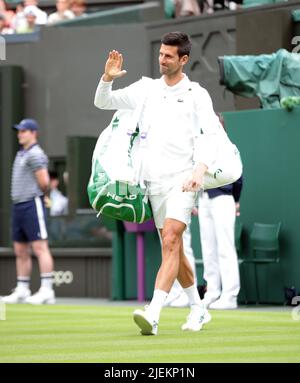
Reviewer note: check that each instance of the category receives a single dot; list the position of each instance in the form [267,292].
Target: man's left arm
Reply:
[43,180]
[38,163]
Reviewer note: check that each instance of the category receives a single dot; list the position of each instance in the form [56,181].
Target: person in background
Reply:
[8,14]
[30,182]
[3,29]
[31,25]
[57,202]
[221,5]
[19,22]
[78,7]
[41,16]
[217,211]
[184,8]
[63,12]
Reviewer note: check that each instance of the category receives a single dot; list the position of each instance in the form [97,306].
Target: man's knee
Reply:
[171,240]
[40,247]
[22,252]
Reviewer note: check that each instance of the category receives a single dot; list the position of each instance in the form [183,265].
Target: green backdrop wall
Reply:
[269,144]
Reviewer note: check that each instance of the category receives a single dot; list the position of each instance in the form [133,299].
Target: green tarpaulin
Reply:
[296,15]
[270,77]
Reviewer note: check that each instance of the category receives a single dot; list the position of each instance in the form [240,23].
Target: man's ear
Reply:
[184,59]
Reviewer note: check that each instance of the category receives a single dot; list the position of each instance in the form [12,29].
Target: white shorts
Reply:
[171,202]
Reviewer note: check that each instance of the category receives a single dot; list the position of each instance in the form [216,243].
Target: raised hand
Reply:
[113,66]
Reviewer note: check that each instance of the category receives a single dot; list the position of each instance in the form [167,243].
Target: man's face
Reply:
[26,136]
[54,183]
[31,19]
[169,61]
[78,9]
[62,5]
[31,2]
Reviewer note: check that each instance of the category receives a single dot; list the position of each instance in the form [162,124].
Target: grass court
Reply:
[107,334]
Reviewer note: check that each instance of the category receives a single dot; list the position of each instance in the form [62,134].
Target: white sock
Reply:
[193,295]
[47,280]
[156,304]
[23,283]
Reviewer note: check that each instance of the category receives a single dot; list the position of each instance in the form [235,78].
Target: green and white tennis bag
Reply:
[113,188]
[227,166]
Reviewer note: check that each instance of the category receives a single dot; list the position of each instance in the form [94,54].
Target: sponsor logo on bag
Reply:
[218,171]
[120,199]
[115,122]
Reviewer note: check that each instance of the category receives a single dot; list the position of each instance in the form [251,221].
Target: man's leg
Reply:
[34,225]
[42,251]
[198,315]
[46,292]
[177,297]
[211,268]
[188,249]
[23,259]
[176,289]
[224,219]
[23,268]
[171,252]
[171,235]
[186,275]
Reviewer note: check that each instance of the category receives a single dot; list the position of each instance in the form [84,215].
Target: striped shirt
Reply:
[24,185]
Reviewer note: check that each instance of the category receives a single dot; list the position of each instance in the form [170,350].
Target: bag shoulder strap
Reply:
[136,115]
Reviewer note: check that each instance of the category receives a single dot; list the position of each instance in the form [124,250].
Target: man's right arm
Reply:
[126,98]
[105,97]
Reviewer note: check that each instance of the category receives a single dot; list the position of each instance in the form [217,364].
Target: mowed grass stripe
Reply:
[108,334]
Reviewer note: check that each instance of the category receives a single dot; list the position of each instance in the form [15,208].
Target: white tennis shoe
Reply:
[42,296]
[196,319]
[17,296]
[144,321]
[224,304]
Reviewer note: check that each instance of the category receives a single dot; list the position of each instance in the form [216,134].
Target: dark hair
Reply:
[53,174]
[180,40]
